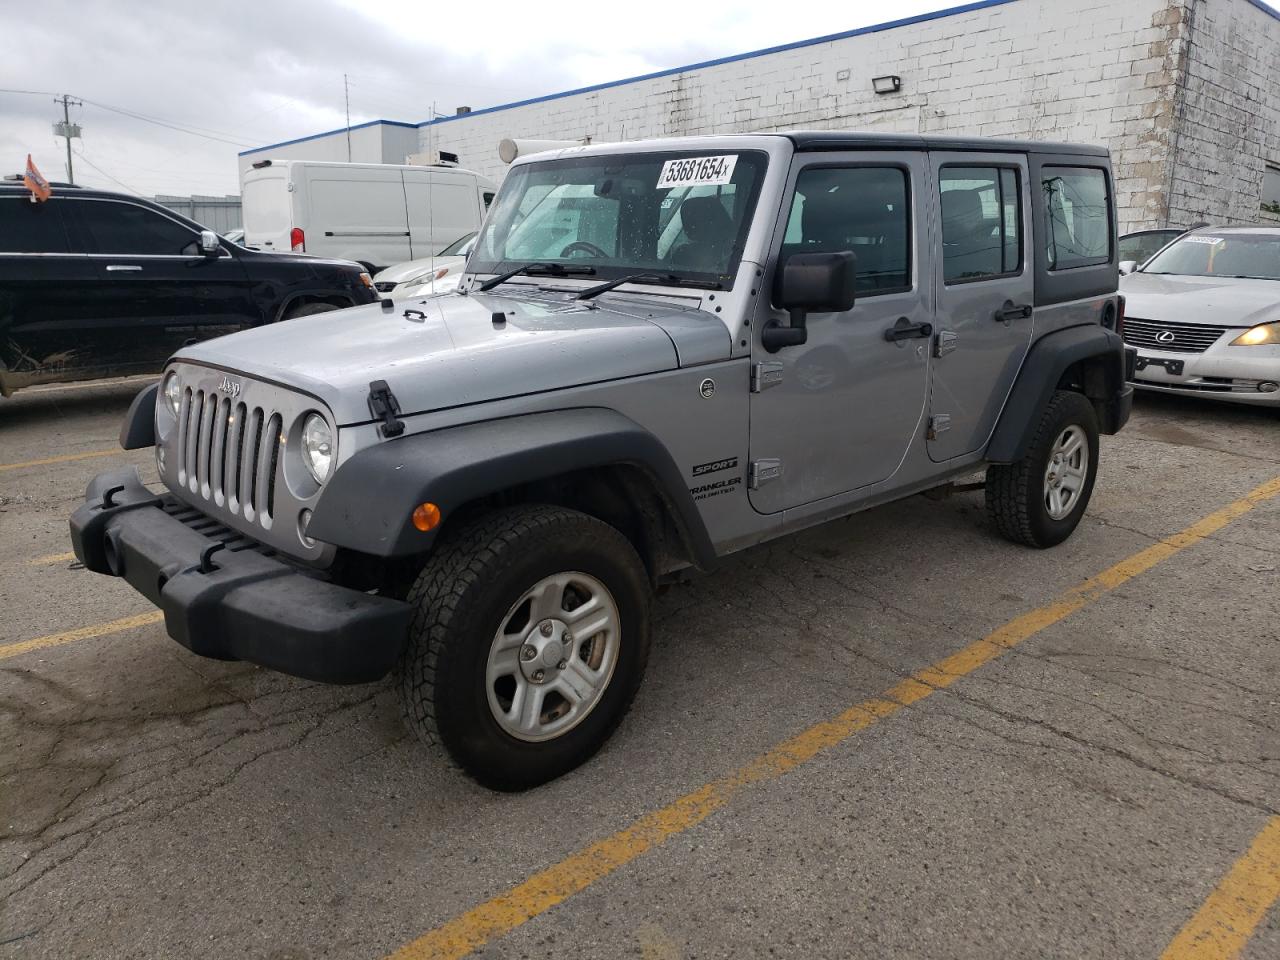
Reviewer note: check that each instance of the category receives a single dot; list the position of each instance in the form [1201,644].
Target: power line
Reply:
[190,131]
[80,154]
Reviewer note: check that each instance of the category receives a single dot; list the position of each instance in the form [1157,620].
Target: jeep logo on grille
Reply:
[1165,336]
[230,387]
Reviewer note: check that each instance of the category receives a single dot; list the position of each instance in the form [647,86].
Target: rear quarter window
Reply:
[1077,215]
[27,227]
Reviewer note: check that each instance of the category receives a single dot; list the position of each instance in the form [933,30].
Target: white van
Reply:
[374,213]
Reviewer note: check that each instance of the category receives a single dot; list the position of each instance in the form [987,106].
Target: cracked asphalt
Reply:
[1081,796]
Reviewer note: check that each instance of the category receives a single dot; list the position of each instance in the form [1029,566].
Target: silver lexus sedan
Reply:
[1204,314]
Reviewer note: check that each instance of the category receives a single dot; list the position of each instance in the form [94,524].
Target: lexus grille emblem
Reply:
[230,387]
[1165,336]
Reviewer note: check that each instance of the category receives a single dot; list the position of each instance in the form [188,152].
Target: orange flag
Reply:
[35,182]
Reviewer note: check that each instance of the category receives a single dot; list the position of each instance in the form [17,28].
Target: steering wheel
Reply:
[583,246]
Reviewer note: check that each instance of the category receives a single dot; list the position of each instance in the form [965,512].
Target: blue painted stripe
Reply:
[330,133]
[796,45]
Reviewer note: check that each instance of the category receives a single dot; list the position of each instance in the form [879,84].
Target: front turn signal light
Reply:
[1263,333]
[426,517]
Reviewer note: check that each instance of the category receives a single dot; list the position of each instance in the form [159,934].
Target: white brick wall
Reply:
[1093,71]
[1228,125]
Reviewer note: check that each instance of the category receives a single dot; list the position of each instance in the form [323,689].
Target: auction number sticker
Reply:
[1214,241]
[697,172]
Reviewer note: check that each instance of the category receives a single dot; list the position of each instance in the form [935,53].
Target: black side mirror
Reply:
[810,282]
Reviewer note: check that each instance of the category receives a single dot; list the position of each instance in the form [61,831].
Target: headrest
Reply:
[963,209]
[705,218]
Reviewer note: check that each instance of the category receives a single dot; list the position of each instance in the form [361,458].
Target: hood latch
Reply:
[384,406]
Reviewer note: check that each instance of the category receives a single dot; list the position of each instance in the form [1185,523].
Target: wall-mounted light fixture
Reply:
[886,84]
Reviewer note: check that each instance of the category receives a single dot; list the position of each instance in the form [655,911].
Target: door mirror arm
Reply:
[810,282]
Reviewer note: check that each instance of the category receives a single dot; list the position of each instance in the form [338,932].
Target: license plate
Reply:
[1171,367]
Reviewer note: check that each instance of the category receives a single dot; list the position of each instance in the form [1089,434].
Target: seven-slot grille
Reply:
[230,453]
[1187,337]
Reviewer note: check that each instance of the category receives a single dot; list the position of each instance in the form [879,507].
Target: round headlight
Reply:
[172,393]
[317,446]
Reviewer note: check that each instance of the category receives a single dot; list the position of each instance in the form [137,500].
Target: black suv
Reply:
[99,284]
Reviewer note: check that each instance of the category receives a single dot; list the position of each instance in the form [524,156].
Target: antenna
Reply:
[346,97]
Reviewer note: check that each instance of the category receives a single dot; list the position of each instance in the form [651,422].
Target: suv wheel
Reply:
[529,639]
[307,310]
[1040,499]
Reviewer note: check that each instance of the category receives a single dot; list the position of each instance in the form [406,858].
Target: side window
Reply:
[124,228]
[981,223]
[863,209]
[27,227]
[488,199]
[1078,212]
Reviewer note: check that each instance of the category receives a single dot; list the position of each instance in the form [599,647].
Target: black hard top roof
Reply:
[816,140]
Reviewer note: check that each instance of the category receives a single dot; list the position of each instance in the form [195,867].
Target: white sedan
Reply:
[416,278]
[1204,314]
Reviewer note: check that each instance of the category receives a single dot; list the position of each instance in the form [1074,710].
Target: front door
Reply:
[983,278]
[840,411]
[157,292]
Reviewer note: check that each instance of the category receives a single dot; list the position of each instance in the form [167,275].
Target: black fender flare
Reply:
[367,505]
[1047,360]
[139,427]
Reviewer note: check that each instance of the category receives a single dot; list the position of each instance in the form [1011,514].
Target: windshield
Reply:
[682,213]
[1227,255]
[459,248]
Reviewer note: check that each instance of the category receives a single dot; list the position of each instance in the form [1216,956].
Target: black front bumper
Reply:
[225,597]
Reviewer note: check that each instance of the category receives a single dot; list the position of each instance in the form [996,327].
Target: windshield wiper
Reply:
[1251,276]
[670,279]
[554,269]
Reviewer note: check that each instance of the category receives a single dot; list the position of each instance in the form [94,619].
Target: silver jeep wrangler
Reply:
[660,353]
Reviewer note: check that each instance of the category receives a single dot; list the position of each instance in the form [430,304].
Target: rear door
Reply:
[156,292]
[48,293]
[267,206]
[984,285]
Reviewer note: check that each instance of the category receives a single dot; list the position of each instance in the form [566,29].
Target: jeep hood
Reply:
[454,350]
[1221,301]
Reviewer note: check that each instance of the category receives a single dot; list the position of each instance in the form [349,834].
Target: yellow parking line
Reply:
[552,886]
[51,558]
[81,633]
[64,458]
[1226,921]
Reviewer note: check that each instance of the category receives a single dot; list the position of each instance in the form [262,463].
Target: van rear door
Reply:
[267,208]
[443,208]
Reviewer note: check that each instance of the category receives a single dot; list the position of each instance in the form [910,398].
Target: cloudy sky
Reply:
[173,91]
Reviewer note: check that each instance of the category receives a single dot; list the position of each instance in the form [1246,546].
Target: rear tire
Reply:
[1040,500]
[490,649]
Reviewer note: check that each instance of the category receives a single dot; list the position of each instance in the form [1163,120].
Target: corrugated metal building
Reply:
[1186,93]
[219,214]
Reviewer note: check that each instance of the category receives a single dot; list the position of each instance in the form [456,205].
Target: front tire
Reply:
[1040,500]
[529,639]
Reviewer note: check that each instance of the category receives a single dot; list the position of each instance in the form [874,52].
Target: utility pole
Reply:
[67,129]
[346,96]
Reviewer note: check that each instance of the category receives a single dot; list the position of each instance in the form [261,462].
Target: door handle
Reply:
[904,329]
[1011,311]
[123,268]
